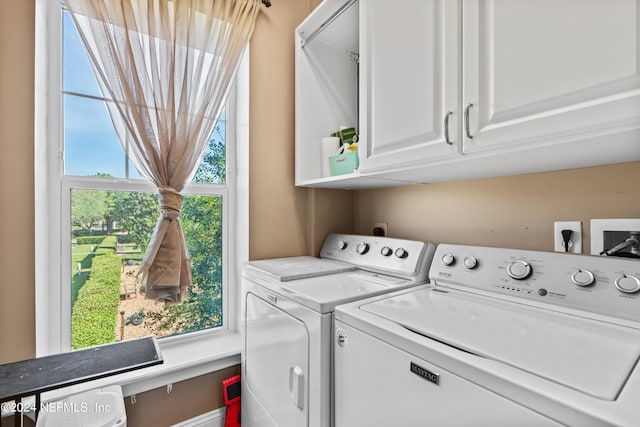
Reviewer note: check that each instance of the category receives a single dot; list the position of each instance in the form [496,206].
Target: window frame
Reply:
[52,207]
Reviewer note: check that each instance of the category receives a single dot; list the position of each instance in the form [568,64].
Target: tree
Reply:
[136,213]
[212,170]
[88,207]
[108,215]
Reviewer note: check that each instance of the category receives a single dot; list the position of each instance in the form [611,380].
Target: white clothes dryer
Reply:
[288,306]
[500,337]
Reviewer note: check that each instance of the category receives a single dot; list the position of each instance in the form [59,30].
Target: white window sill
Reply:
[183,359]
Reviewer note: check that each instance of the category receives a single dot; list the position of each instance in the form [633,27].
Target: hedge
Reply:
[125,238]
[78,231]
[108,246]
[93,320]
[89,240]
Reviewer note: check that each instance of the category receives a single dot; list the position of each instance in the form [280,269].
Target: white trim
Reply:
[213,418]
[48,102]
[240,220]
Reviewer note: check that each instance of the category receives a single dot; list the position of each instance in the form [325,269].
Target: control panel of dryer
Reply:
[604,285]
[408,259]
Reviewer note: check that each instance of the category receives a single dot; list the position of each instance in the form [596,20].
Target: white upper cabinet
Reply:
[450,90]
[549,71]
[408,82]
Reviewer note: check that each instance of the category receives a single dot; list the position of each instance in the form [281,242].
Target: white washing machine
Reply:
[500,337]
[288,306]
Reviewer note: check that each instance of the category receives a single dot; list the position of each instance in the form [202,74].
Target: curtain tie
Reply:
[170,202]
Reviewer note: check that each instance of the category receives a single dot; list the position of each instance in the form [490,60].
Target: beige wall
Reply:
[187,399]
[284,220]
[512,212]
[17,307]
[330,211]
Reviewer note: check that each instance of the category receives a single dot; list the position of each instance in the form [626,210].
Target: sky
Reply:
[91,143]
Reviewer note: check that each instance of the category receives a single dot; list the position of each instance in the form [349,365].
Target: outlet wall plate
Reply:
[600,227]
[575,247]
[382,225]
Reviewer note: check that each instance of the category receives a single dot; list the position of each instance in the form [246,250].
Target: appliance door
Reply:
[276,366]
[377,384]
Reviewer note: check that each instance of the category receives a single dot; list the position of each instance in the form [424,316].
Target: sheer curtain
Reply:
[167,66]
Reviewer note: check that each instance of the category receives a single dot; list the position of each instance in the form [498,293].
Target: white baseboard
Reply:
[210,419]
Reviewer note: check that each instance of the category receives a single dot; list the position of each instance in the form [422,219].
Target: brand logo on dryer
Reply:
[425,373]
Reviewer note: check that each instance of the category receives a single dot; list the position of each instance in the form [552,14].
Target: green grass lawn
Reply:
[80,254]
[77,281]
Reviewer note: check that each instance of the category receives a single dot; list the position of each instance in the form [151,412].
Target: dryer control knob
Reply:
[448,259]
[386,251]
[470,262]
[583,278]
[362,248]
[401,253]
[341,337]
[519,269]
[342,245]
[628,284]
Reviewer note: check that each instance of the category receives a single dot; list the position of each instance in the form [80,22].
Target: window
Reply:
[101,213]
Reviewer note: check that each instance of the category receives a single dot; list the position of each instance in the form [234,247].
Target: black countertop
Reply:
[34,376]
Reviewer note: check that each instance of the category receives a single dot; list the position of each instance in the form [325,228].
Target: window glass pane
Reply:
[213,168]
[77,72]
[110,232]
[133,172]
[91,145]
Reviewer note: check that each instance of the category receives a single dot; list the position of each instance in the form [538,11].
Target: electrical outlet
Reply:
[380,226]
[575,244]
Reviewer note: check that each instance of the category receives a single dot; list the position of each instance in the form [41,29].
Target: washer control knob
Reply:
[402,253]
[362,248]
[386,251]
[470,262]
[628,284]
[583,278]
[448,259]
[342,245]
[519,269]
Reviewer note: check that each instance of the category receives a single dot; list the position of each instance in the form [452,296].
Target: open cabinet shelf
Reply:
[326,55]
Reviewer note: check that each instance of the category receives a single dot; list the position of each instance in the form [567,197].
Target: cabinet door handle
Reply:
[446,127]
[466,120]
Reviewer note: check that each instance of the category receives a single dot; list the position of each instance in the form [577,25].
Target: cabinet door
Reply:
[545,72]
[408,81]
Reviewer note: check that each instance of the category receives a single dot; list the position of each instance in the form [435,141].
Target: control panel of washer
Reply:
[408,259]
[605,285]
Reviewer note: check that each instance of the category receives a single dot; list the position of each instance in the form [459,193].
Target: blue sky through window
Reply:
[91,145]
[78,74]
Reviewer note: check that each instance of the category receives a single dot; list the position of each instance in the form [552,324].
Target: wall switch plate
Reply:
[575,245]
[380,226]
